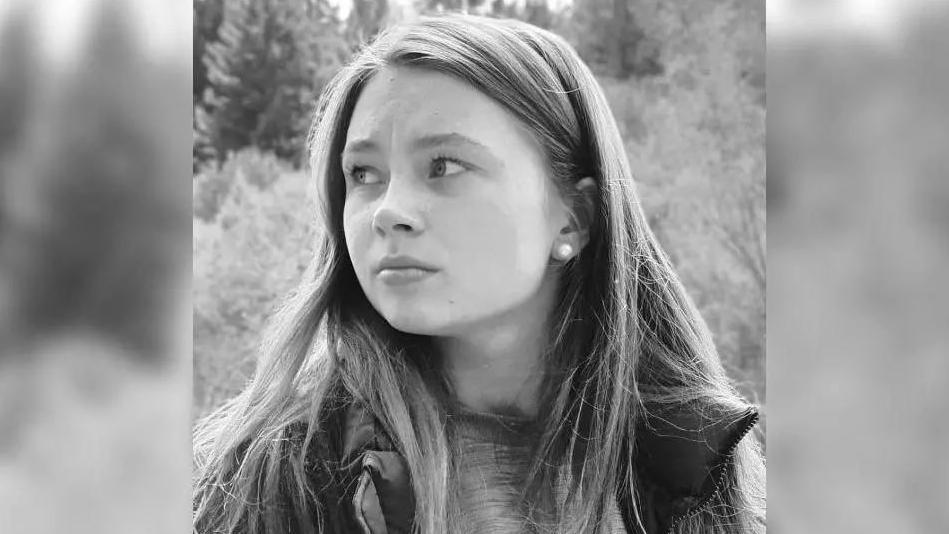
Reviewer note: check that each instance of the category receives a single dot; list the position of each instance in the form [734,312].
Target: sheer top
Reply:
[493,455]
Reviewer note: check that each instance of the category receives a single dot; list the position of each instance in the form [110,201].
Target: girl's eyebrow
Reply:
[421,143]
[451,138]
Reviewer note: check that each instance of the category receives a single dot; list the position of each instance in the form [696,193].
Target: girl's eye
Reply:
[442,166]
[362,175]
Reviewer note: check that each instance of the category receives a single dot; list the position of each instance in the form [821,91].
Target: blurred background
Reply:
[858,243]
[95,340]
[686,83]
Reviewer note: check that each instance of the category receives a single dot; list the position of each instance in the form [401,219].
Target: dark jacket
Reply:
[680,460]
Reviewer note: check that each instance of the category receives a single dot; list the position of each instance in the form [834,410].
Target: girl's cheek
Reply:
[354,237]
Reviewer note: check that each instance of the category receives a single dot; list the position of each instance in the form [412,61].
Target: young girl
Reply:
[490,338]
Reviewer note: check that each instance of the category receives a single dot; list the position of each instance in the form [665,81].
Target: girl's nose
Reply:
[398,210]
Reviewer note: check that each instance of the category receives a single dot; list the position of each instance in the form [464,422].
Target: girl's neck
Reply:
[497,366]
[497,370]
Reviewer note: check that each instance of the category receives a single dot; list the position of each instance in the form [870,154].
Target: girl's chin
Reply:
[425,322]
[415,325]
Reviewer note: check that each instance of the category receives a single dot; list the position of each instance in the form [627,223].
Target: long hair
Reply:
[626,338]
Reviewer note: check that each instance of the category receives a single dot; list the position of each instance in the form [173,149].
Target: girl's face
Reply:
[449,215]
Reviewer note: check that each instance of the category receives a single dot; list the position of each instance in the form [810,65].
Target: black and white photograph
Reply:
[479,267]
[473,266]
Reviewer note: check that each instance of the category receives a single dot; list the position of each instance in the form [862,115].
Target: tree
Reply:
[610,38]
[246,260]
[94,243]
[264,76]
[365,20]
[470,6]
[738,218]
[207,16]
[207,19]
[538,13]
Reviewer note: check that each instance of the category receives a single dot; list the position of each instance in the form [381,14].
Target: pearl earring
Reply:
[564,251]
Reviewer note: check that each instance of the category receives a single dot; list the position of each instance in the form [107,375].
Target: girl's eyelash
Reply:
[351,170]
[450,159]
[447,158]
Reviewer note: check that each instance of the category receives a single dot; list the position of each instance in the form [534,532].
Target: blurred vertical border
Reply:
[95,329]
[858,219]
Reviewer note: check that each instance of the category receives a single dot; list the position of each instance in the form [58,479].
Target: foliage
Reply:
[250,165]
[695,138]
[207,16]
[245,259]
[366,19]
[264,73]
[611,39]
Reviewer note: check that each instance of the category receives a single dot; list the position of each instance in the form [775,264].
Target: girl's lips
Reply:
[404,275]
[402,261]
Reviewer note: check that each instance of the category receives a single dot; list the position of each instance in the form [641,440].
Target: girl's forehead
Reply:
[403,100]
[412,83]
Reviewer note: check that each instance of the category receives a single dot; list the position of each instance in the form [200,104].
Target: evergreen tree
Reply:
[207,19]
[264,76]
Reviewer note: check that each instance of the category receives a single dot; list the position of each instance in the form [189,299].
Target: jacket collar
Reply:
[680,455]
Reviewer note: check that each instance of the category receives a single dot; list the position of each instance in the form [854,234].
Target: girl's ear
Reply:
[583,211]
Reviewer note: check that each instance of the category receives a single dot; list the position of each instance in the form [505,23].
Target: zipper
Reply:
[706,502]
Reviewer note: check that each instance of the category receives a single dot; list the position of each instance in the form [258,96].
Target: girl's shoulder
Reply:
[682,455]
[678,446]
[361,480]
